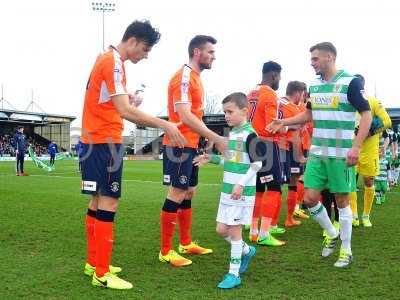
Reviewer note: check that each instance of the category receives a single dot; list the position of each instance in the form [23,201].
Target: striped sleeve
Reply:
[113,79]
[181,93]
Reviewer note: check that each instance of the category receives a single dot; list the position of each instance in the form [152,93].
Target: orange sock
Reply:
[275,218]
[185,225]
[300,192]
[103,231]
[257,205]
[291,203]
[90,237]
[270,204]
[256,211]
[168,221]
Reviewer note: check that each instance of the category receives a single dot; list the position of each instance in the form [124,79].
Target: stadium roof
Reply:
[35,118]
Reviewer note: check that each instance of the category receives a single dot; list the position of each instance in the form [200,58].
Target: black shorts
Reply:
[296,169]
[178,168]
[271,172]
[102,169]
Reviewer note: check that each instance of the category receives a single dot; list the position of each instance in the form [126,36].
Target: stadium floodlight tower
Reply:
[103,7]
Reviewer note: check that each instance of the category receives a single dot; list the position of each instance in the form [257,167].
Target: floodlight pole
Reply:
[103,7]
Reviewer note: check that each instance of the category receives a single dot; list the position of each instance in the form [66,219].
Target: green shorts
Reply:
[329,173]
[381,186]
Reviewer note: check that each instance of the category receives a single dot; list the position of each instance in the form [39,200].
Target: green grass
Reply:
[42,245]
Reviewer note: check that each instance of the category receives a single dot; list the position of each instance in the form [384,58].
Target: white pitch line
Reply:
[124,180]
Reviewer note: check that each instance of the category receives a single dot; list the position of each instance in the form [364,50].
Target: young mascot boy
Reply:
[241,162]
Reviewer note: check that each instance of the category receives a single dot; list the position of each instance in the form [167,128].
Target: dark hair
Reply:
[199,41]
[325,46]
[142,31]
[271,66]
[238,98]
[295,86]
[362,79]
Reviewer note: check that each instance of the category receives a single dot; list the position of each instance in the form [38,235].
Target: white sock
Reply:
[245,248]
[345,219]
[319,214]
[236,257]
[263,234]
[254,231]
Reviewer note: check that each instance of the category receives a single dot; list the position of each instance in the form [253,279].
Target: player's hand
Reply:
[221,144]
[135,99]
[175,136]
[352,156]
[201,160]
[275,126]
[237,192]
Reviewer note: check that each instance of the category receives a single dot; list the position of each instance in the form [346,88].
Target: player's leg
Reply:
[295,172]
[260,189]
[315,180]
[299,212]
[232,279]
[227,215]
[21,163]
[102,177]
[269,209]
[281,175]
[378,192]
[384,189]
[284,157]
[90,221]
[184,216]
[270,176]
[291,201]
[369,193]
[345,220]
[176,170]
[186,244]
[341,182]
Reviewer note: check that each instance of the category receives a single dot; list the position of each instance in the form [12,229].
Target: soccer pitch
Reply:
[42,244]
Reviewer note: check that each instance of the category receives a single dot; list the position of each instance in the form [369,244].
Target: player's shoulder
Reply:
[185,75]
[267,93]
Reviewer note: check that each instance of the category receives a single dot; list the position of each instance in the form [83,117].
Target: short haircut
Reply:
[295,86]
[325,46]
[198,42]
[238,98]
[142,31]
[271,66]
[362,79]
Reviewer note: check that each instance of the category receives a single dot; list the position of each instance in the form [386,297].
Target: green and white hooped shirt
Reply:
[333,117]
[237,162]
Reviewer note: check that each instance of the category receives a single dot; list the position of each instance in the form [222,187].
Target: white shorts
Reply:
[234,215]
